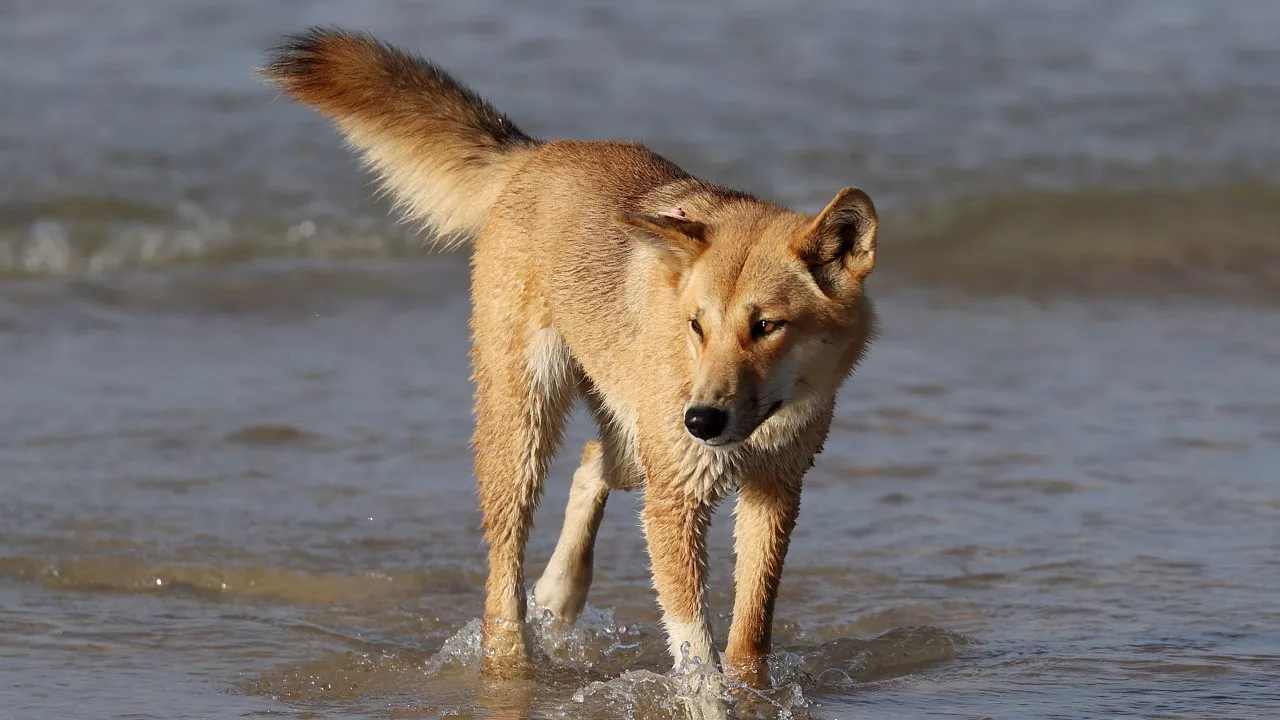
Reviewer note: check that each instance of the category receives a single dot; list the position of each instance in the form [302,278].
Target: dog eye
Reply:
[695,326]
[762,328]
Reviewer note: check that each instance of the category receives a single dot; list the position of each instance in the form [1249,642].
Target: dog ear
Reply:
[685,239]
[839,246]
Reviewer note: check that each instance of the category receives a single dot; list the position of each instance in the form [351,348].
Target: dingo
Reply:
[706,330]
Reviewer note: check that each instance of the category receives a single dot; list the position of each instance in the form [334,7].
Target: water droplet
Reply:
[835,677]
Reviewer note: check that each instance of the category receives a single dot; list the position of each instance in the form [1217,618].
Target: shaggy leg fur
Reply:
[675,526]
[766,515]
[520,413]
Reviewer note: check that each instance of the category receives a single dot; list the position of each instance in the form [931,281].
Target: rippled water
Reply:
[234,474]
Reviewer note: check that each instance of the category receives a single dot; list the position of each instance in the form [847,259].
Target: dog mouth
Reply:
[724,442]
[769,412]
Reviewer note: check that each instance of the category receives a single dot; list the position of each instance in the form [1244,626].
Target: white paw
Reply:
[555,593]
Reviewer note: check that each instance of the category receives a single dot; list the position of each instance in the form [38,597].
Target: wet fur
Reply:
[584,283]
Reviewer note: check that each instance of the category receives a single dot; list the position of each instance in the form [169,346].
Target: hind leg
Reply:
[606,466]
[524,389]
[563,587]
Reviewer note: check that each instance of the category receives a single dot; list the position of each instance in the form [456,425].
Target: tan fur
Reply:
[591,260]
[440,149]
[562,589]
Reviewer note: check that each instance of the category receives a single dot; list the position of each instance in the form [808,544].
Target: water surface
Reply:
[234,472]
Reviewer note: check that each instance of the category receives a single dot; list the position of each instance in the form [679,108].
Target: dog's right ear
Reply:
[683,240]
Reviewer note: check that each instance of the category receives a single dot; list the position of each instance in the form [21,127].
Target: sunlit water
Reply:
[234,472]
[1055,511]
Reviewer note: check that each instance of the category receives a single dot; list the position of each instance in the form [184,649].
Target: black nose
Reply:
[705,422]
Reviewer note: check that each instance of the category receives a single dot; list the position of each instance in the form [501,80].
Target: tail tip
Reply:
[299,56]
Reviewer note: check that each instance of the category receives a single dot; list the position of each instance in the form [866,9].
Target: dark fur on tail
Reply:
[440,148]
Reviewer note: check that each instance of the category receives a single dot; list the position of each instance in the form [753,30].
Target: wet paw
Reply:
[752,671]
[505,649]
[555,593]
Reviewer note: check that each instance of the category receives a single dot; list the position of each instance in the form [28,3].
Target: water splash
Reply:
[461,650]
[635,693]
[693,690]
[595,638]
[598,644]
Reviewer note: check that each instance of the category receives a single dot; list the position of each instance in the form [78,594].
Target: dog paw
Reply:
[505,649]
[559,596]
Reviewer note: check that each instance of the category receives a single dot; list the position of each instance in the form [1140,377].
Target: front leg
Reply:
[675,527]
[766,515]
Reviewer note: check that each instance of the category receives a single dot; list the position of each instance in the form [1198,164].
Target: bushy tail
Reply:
[439,148]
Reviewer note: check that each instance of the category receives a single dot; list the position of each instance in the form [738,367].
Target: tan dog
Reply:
[706,330]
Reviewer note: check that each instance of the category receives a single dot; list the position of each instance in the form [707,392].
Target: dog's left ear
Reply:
[839,246]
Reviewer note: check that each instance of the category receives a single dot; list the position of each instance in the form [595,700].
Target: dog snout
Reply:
[705,422]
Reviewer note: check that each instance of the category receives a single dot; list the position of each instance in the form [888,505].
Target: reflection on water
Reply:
[234,466]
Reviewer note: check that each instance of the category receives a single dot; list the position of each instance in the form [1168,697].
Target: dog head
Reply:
[770,302]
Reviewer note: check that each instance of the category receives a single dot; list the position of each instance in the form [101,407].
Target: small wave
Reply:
[267,288]
[272,435]
[841,662]
[1223,241]
[87,236]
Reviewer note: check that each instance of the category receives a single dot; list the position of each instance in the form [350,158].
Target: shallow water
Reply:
[234,473]
[1065,510]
